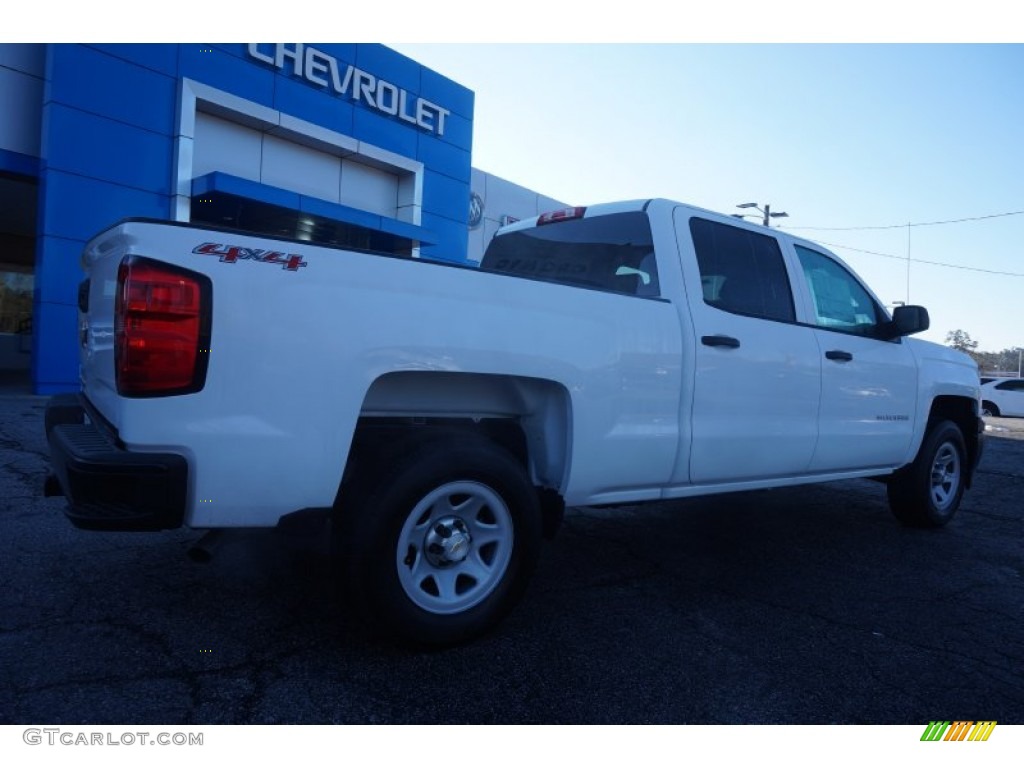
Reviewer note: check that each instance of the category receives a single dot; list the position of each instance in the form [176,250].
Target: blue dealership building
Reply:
[352,145]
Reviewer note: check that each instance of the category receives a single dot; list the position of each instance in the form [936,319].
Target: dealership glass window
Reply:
[612,253]
[18,196]
[15,299]
[742,271]
[840,302]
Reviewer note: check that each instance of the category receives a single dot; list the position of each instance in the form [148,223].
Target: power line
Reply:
[918,224]
[925,261]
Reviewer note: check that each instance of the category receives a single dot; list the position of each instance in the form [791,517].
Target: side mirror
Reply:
[907,320]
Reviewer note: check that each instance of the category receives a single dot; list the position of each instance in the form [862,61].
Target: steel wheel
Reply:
[440,541]
[455,547]
[946,476]
[927,493]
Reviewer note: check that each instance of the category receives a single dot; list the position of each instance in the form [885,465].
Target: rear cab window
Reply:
[741,271]
[613,252]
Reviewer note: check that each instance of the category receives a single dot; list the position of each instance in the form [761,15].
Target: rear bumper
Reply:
[107,486]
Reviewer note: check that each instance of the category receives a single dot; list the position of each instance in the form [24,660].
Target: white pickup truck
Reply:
[445,415]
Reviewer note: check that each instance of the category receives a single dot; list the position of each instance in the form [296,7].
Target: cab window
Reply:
[840,302]
[742,271]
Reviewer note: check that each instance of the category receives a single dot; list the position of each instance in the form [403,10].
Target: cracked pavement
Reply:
[802,605]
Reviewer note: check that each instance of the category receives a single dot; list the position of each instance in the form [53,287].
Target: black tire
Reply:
[988,408]
[441,544]
[927,493]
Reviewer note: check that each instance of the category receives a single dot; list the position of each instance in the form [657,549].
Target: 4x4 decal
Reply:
[229,254]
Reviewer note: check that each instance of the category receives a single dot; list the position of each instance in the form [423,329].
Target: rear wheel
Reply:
[988,408]
[927,494]
[442,544]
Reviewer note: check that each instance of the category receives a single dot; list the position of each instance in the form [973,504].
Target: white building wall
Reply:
[249,153]
[307,171]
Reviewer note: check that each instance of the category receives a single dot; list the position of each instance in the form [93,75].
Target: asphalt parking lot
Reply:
[804,605]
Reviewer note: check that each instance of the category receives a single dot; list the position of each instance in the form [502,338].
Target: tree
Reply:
[1008,361]
[961,340]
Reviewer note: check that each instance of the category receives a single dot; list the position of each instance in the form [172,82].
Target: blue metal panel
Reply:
[238,50]
[252,190]
[389,65]
[16,162]
[451,239]
[411,231]
[93,81]
[459,131]
[439,155]
[105,149]
[29,58]
[446,93]
[214,67]
[234,185]
[317,207]
[55,348]
[317,105]
[58,269]
[161,57]
[444,196]
[77,207]
[386,132]
[345,53]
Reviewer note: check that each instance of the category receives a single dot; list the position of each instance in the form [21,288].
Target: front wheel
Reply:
[444,542]
[927,494]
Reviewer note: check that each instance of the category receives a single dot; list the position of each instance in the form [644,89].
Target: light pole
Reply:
[766,212]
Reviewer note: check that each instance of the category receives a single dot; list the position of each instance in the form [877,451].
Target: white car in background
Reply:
[1003,397]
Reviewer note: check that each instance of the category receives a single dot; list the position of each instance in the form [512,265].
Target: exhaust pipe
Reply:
[204,549]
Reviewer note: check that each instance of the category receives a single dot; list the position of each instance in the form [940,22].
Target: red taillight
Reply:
[562,215]
[161,329]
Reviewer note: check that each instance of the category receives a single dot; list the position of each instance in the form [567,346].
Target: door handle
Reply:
[838,354]
[719,341]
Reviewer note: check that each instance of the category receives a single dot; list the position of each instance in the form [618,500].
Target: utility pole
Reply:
[908,262]
[766,212]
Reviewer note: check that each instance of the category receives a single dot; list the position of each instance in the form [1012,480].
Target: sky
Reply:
[844,138]
[882,115]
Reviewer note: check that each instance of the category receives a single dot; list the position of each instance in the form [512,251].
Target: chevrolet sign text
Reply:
[325,71]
